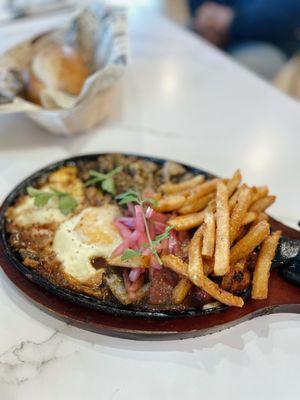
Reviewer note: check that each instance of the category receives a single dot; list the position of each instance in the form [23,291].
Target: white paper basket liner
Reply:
[101,34]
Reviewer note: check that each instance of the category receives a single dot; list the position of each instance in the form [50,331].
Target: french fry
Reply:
[195,267]
[251,216]
[262,204]
[181,290]
[140,261]
[209,234]
[170,188]
[221,266]
[259,192]
[260,217]
[176,264]
[170,203]
[234,182]
[186,222]
[212,204]
[250,241]
[211,207]
[227,279]
[223,296]
[202,190]
[263,217]
[262,269]
[239,212]
[179,266]
[233,199]
[196,205]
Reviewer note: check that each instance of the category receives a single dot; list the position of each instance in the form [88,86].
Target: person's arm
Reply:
[265,20]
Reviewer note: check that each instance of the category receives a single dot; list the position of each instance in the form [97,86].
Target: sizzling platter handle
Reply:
[288,257]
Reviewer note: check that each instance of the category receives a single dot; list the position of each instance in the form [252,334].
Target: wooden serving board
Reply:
[283,297]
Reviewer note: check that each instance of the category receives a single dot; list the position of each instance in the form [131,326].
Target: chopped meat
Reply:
[251,261]
[34,239]
[241,281]
[143,174]
[106,163]
[123,181]
[162,283]
[201,296]
[84,168]
[95,197]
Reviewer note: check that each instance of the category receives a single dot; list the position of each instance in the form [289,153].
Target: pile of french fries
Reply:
[230,222]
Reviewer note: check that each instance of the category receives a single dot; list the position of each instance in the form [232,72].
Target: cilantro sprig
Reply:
[133,197]
[66,203]
[106,181]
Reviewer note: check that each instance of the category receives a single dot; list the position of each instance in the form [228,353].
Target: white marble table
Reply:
[181,99]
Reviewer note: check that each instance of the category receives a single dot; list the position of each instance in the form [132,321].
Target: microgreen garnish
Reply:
[133,197]
[106,180]
[129,253]
[165,235]
[66,203]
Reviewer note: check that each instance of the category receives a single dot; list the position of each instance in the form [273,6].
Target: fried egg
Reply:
[89,234]
[65,180]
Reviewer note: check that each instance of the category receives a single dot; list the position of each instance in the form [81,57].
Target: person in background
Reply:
[261,34]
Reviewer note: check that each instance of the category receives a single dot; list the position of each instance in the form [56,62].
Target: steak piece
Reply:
[162,283]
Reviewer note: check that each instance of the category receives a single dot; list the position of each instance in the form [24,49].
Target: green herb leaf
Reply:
[58,193]
[97,175]
[128,197]
[114,172]
[150,200]
[40,198]
[131,196]
[32,191]
[106,180]
[67,204]
[108,185]
[129,253]
[162,236]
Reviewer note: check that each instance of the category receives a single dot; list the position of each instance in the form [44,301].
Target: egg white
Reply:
[27,213]
[89,234]
[65,179]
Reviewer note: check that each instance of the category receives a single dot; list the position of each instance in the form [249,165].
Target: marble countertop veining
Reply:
[179,99]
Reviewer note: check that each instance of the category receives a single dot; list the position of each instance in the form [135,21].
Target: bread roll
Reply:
[59,67]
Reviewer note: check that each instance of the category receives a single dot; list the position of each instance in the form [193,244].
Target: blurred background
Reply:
[262,35]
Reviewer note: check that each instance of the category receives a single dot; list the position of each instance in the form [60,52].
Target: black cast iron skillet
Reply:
[287,257]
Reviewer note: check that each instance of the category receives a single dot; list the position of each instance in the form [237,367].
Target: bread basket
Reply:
[99,33]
